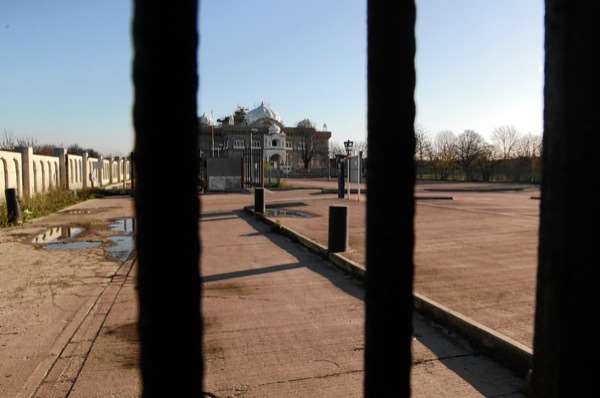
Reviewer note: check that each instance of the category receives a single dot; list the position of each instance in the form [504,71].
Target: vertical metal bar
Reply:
[165,82]
[348,173]
[358,174]
[389,277]
[566,352]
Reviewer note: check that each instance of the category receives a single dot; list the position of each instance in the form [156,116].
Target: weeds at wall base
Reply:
[49,202]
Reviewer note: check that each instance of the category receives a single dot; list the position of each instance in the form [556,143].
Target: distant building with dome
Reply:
[300,148]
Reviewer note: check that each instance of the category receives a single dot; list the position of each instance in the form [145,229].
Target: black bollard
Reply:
[338,228]
[12,206]
[341,180]
[259,200]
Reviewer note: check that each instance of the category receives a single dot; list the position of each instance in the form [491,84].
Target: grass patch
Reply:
[278,185]
[43,204]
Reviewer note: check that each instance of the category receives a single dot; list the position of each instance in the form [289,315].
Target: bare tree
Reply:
[335,148]
[8,142]
[469,145]
[77,150]
[506,139]
[487,161]
[44,149]
[423,146]
[528,153]
[239,116]
[360,146]
[529,146]
[307,140]
[444,153]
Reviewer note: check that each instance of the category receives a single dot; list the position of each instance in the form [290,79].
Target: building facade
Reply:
[299,148]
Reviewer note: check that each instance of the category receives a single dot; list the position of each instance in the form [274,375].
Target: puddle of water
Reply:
[57,233]
[123,225]
[85,244]
[287,213]
[121,247]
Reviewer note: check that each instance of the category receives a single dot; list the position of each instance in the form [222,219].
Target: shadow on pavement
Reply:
[453,352]
[251,272]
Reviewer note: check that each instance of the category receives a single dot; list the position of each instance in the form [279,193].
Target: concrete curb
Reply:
[341,262]
[510,353]
[325,191]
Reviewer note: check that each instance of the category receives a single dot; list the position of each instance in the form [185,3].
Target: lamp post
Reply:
[339,162]
[348,145]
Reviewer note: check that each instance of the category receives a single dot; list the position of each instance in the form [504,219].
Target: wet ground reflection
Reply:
[57,233]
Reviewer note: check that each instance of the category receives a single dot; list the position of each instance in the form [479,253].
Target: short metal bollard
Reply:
[13,209]
[259,200]
[338,228]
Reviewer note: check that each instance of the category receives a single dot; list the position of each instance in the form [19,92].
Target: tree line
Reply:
[10,142]
[510,156]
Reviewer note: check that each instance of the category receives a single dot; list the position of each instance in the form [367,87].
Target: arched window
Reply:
[17,176]
[43,169]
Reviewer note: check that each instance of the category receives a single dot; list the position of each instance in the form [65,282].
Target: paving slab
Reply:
[475,254]
[280,321]
[46,294]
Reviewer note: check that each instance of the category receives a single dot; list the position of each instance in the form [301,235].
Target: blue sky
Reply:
[65,70]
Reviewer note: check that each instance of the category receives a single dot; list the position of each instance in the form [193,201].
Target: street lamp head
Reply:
[348,145]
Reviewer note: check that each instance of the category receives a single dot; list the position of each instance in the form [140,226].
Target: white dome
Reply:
[207,120]
[307,123]
[262,112]
[274,129]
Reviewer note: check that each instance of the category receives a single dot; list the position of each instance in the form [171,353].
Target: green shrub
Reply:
[40,205]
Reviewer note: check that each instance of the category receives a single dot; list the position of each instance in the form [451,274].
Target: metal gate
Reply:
[252,167]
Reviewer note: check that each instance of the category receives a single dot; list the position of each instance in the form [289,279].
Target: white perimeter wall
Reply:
[10,172]
[32,174]
[45,173]
[74,171]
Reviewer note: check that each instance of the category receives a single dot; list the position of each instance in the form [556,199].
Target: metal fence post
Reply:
[13,209]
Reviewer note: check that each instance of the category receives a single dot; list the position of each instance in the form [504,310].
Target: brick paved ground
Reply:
[475,254]
[280,321]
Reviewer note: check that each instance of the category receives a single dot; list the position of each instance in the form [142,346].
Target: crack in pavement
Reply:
[336,374]
[71,365]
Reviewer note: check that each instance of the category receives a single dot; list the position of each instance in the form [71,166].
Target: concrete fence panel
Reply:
[10,172]
[44,172]
[75,171]
[32,174]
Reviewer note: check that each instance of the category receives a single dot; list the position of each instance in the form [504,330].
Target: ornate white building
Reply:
[282,145]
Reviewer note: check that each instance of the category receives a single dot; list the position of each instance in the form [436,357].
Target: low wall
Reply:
[74,171]
[45,174]
[105,174]
[224,174]
[31,174]
[10,172]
